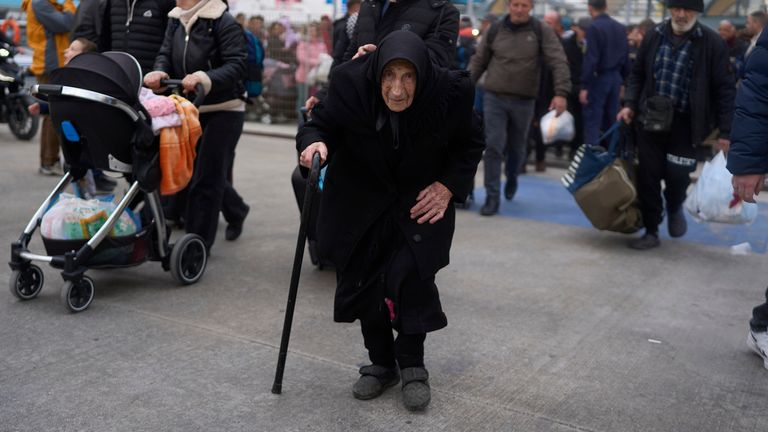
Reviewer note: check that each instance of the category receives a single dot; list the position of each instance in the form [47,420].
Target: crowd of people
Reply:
[404,100]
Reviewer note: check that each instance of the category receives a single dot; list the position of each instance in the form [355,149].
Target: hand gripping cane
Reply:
[306,210]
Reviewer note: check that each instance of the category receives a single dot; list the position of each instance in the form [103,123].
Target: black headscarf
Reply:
[405,45]
[354,95]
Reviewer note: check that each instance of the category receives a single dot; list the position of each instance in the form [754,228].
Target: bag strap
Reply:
[613,133]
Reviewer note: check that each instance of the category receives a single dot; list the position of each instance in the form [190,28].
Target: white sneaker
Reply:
[758,342]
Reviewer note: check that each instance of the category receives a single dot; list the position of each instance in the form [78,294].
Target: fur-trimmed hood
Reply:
[212,9]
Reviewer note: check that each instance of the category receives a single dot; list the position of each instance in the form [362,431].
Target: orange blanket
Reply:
[177,148]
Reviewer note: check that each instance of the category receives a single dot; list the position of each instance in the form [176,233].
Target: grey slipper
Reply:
[416,393]
[374,380]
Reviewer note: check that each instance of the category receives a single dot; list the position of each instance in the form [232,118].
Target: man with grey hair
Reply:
[681,87]
[514,47]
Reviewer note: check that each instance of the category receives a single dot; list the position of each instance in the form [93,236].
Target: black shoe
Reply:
[491,206]
[234,230]
[104,184]
[416,393]
[676,223]
[374,379]
[510,189]
[647,241]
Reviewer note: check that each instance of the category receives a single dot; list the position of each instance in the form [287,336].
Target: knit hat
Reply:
[694,5]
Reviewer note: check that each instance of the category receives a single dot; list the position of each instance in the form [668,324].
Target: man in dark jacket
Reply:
[435,21]
[603,71]
[343,28]
[748,161]
[136,27]
[681,87]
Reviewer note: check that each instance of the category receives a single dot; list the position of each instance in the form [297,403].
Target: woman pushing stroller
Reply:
[205,46]
[402,142]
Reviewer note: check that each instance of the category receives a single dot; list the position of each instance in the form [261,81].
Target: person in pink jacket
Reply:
[308,54]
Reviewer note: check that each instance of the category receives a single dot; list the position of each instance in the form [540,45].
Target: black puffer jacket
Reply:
[436,22]
[216,46]
[136,27]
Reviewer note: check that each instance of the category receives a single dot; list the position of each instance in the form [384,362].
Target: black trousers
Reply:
[668,156]
[215,152]
[759,322]
[233,207]
[384,349]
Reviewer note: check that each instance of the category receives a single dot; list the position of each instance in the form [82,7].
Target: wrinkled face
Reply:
[398,85]
[520,11]
[75,48]
[682,19]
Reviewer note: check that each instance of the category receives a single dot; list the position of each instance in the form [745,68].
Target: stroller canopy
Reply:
[115,74]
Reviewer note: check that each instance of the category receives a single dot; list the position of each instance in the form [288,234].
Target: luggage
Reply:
[601,182]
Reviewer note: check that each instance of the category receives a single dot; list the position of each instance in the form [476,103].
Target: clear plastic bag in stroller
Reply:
[72,218]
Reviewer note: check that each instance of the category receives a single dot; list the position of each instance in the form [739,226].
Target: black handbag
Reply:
[659,111]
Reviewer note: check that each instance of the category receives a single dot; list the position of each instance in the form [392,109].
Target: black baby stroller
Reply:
[94,105]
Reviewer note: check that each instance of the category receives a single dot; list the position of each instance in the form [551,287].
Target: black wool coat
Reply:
[712,89]
[360,187]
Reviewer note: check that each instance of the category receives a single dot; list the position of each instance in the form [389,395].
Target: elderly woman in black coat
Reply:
[402,142]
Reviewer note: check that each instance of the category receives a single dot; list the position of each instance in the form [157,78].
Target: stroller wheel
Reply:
[26,284]
[188,259]
[77,296]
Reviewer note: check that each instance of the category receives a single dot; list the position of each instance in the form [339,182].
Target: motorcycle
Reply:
[13,99]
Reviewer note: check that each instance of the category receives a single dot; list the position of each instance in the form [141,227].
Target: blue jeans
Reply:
[507,122]
[600,113]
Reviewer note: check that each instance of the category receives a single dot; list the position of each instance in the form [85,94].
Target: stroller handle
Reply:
[199,90]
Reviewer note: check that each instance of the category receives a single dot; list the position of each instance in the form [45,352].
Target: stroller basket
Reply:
[122,251]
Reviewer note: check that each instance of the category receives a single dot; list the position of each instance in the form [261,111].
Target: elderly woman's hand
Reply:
[305,159]
[152,79]
[431,203]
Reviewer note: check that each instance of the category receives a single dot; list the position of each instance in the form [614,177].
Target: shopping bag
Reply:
[712,197]
[602,183]
[557,127]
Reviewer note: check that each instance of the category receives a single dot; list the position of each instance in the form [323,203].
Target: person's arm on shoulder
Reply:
[53,20]
[441,40]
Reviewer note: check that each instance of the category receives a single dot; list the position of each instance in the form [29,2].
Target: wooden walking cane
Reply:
[306,210]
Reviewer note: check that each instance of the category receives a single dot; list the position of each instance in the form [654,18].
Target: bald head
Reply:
[552,19]
[727,30]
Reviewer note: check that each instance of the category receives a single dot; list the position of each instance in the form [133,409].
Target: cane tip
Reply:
[277,389]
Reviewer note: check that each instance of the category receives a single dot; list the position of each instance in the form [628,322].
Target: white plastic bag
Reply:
[557,128]
[712,196]
[72,218]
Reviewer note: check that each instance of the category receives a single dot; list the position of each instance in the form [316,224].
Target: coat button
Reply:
[416,238]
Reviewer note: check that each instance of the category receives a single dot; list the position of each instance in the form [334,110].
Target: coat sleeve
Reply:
[591,57]
[748,153]
[163,60]
[232,52]
[636,79]
[441,39]
[554,58]
[87,19]
[478,63]
[53,20]
[722,86]
[464,150]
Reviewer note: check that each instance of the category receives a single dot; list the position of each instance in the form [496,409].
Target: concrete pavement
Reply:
[551,328]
